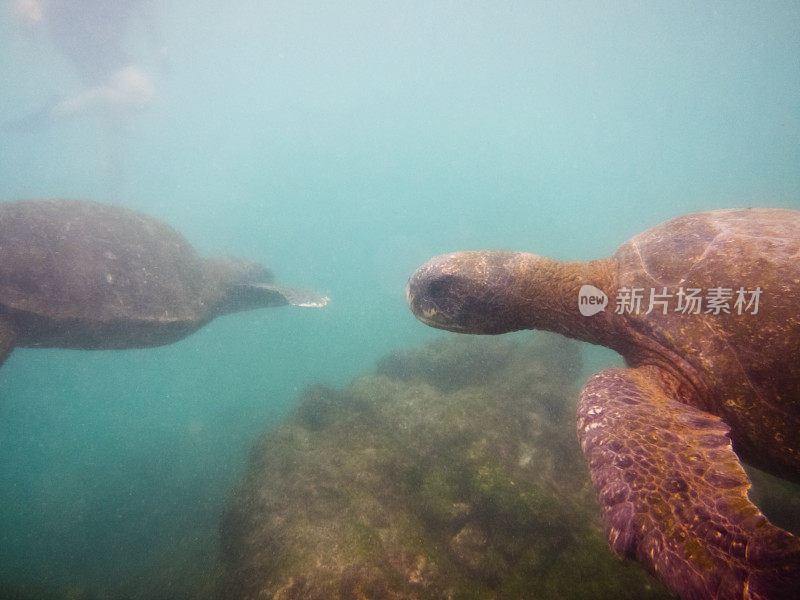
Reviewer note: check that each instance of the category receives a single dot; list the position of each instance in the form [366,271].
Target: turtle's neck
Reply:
[497,291]
[546,293]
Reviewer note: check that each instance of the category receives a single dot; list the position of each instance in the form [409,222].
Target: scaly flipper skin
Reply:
[674,495]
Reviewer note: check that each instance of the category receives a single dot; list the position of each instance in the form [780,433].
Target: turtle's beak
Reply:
[465,292]
[422,313]
[429,297]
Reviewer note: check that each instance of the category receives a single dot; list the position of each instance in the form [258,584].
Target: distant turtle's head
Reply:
[243,284]
[470,292]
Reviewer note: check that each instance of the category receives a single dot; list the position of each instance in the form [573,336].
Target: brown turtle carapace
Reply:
[83,275]
[705,309]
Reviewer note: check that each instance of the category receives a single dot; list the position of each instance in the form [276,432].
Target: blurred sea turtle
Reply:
[84,275]
[704,380]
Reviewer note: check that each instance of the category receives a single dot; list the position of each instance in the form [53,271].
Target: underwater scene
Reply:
[246,248]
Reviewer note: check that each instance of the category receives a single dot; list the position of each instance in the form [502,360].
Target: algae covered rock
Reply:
[452,472]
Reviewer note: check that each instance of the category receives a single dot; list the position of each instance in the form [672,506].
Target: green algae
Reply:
[410,484]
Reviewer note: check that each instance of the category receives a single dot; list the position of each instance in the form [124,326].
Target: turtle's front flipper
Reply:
[674,495]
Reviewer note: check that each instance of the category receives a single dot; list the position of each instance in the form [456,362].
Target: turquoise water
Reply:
[343,143]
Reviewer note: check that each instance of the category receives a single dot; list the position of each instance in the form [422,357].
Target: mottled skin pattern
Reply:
[674,495]
[84,275]
[660,436]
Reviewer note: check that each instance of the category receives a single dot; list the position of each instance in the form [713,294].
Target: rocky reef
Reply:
[453,471]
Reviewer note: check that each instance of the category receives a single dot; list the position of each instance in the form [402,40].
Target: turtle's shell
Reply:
[74,261]
[747,362]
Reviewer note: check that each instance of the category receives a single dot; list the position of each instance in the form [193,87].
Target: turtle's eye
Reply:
[439,287]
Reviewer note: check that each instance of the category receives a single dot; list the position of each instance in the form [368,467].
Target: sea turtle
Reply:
[76,274]
[704,380]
